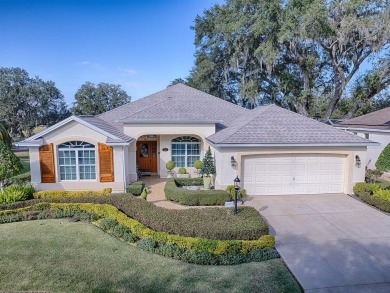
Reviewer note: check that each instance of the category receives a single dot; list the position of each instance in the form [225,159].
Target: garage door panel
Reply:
[293,174]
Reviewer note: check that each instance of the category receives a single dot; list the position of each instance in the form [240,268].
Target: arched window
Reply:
[77,161]
[185,151]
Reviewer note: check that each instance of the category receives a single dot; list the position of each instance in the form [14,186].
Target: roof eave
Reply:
[151,121]
[292,144]
[345,127]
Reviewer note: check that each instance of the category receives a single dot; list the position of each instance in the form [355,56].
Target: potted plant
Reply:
[208,169]
[170,165]
[182,173]
[198,165]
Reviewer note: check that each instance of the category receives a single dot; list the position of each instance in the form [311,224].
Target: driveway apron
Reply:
[330,242]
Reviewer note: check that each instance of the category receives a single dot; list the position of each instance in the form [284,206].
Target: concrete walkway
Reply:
[331,243]
[157,195]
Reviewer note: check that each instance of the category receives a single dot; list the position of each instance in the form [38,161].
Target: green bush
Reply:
[383,161]
[196,250]
[107,224]
[22,178]
[135,188]
[198,164]
[212,223]
[365,188]
[170,165]
[373,195]
[382,194]
[14,193]
[64,193]
[145,193]
[189,181]
[182,170]
[232,191]
[194,197]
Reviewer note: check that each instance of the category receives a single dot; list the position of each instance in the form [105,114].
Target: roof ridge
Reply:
[251,119]
[133,102]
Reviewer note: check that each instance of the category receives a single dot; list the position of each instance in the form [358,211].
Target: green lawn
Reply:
[62,256]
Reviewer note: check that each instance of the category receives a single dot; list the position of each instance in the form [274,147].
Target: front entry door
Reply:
[147,156]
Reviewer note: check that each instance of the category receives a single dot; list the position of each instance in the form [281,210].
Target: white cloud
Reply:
[128,71]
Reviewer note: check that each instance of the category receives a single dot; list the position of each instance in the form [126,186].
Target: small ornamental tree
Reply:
[208,167]
[10,164]
[383,162]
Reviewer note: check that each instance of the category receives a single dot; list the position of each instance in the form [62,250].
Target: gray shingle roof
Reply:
[103,125]
[375,120]
[274,125]
[176,103]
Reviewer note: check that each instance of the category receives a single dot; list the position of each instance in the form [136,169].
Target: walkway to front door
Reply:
[330,242]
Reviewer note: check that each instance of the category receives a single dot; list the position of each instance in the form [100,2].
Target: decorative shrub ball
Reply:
[170,165]
[182,170]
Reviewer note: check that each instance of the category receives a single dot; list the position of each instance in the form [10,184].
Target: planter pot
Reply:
[207,182]
[229,204]
[170,174]
[183,175]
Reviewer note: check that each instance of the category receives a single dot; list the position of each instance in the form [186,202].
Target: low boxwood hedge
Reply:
[65,193]
[212,223]
[194,197]
[197,250]
[135,188]
[373,195]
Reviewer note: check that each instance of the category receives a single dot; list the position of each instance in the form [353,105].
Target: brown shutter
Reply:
[46,160]
[106,165]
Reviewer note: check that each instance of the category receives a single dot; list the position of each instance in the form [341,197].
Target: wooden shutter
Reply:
[106,165]
[46,160]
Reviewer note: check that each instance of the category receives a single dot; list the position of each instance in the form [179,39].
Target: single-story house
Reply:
[374,126]
[271,149]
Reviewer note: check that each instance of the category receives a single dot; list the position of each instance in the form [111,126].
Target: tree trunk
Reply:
[352,111]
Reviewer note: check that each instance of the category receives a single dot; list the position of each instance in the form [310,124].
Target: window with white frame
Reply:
[77,161]
[185,151]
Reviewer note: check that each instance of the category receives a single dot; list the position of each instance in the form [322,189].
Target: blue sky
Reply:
[141,45]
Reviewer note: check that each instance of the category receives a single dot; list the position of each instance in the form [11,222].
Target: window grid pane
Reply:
[77,164]
[185,151]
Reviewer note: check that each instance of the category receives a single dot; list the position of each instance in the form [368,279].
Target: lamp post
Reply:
[236,188]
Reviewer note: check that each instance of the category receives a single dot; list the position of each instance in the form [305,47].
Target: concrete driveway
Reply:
[330,242]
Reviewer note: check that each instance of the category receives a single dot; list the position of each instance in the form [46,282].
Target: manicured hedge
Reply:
[212,223]
[135,188]
[188,181]
[372,194]
[197,250]
[64,193]
[194,197]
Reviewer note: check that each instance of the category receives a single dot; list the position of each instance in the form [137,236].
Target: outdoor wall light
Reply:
[233,162]
[236,189]
[358,162]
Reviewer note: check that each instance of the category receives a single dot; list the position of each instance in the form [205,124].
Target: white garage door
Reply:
[293,174]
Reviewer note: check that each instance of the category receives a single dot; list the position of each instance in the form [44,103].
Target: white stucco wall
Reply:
[71,132]
[226,173]
[373,152]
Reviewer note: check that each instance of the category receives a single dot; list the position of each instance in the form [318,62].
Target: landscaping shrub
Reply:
[197,250]
[64,193]
[22,178]
[232,191]
[373,195]
[188,181]
[14,193]
[383,161]
[212,223]
[135,188]
[144,193]
[194,197]
[182,170]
